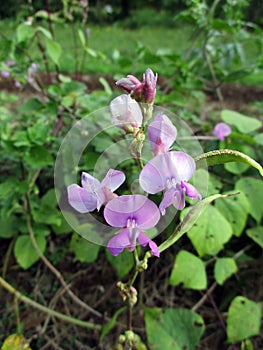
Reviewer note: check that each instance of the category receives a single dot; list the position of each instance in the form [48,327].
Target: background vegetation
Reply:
[59,62]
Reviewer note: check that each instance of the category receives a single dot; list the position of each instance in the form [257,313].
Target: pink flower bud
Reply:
[149,90]
[221,130]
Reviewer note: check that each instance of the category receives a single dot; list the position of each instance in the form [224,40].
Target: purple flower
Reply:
[132,213]
[221,130]
[141,91]
[17,84]
[149,90]
[132,85]
[126,113]
[93,194]
[162,134]
[170,172]
[5,74]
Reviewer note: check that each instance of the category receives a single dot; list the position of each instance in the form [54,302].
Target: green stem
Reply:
[45,309]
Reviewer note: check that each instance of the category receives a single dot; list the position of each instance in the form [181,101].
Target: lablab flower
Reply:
[134,214]
[126,113]
[169,172]
[162,134]
[93,194]
[141,91]
[222,130]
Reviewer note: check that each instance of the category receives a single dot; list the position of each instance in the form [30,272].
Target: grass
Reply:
[122,47]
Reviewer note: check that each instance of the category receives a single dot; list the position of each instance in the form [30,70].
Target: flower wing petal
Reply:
[113,179]
[117,243]
[89,182]
[144,240]
[81,199]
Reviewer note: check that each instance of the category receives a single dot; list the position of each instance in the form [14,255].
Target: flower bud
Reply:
[149,89]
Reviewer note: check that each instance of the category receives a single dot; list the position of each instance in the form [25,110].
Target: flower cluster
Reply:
[168,171]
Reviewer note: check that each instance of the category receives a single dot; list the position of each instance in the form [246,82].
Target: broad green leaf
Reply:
[242,123]
[243,319]
[8,227]
[224,268]
[38,133]
[225,156]
[24,32]
[210,232]
[188,218]
[173,329]
[109,325]
[44,31]
[122,263]
[15,342]
[25,253]
[236,168]
[256,233]
[259,139]
[38,157]
[253,190]
[189,270]
[84,250]
[235,209]
[54,50]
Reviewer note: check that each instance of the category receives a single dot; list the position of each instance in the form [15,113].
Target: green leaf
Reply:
[243,319]
[210,232]
[106,86]
[24,32]
[253,190]
[38,133]
[38,157]
[189,270]
[259,139]
[188,218]
[256,233]
[84,250]
[224,268]
[173,329]
[243,123]
[225,156]
[82,37]
[54,50]
[44,31]
[122,263]
[109,325]
[25,252]
[7,227]
[235,209]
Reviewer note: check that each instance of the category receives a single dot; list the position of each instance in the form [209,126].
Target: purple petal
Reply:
[138,207]
[179,201]
[81,199]
[168,199]
[162,134]
[144,240]
[117,243]
[113,179]
[221,130]
[176,166]
[191,191]
[89,182]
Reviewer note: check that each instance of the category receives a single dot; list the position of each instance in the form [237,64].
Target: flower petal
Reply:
[162,134]
[190,190]
[89,182]
[125,111]
[117,243]
[221,130]
[144,240]
[168,199]
[137,207]
[113,179]
[179,201]
[81,199]
[172,165]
